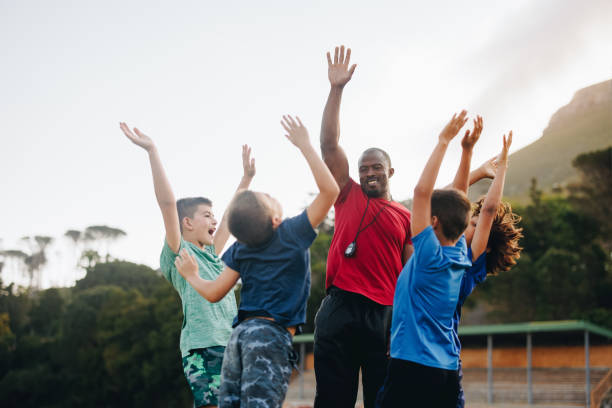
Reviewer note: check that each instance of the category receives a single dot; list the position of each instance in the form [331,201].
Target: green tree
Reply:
[593,193]
[563,272]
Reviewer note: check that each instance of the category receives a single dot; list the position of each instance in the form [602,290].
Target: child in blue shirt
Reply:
[271,257]
[492,237]
[422,371]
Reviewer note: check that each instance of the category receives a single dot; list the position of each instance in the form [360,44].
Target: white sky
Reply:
[201,78]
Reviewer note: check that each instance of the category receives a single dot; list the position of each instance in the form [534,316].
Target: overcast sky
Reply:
[201,78]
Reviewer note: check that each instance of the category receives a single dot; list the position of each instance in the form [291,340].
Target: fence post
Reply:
[302,351]
[529,379]
[587,368]
[489,369]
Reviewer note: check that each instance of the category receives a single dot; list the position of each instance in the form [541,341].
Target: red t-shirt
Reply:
[373,270]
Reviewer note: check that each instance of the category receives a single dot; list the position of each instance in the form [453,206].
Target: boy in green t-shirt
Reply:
[190,225]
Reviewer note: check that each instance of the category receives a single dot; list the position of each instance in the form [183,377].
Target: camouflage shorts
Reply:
[202,369]
[257,366]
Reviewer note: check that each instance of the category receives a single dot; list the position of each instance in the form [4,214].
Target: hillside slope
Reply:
[583,125]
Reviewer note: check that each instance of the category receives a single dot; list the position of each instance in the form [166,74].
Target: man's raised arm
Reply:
[339,74]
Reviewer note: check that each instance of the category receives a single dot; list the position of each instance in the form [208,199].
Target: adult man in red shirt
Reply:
[371,244]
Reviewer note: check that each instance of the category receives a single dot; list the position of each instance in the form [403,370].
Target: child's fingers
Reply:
[184,254]
[287,121]
[298,119]
[285,127]
[292,121]
[329,61]
[126,130]
[509,139]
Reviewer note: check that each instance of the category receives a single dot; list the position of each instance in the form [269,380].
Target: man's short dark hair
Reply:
[250,221]
[186,207]
[378,150]
[452,208]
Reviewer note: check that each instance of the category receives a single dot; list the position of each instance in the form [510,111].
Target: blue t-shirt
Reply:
[476,274]
[275,276]
[425,299]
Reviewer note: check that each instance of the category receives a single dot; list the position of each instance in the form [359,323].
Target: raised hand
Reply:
[296,132]
[488,168]
[186,265]
[248,163]
[453,127]
[502,159]
[138,138]
[470,138]
[338,71]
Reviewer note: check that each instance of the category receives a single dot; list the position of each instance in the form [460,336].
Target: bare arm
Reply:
[334,156]
[248,165]
[421,205]
[407,253]
[213,291]
[491,202]
[486,170]
[328,188]
[462,177]
[163,190]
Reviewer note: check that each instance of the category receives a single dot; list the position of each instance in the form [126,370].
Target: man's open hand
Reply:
[338,71]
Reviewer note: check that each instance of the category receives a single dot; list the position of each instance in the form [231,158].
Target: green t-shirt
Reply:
[205,324]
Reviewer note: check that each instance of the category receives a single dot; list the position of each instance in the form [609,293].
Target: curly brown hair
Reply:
[503,246]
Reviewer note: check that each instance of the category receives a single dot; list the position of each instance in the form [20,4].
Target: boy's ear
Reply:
[276,221]
[434,221]
[187,225]
[391,172]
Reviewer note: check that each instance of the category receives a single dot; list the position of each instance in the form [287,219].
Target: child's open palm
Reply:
[138,138]
[248,163]
[470,138]
[503,156]
[296,132]
[453,127]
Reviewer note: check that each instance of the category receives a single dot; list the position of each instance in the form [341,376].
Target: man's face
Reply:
[374,173]
[204,224]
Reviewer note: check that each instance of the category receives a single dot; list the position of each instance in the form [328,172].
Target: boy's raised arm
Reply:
[339,74]
[163,190]
[462,178]
[248,166]
[421,206]
[491,202]
[213,291]
[328,187]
